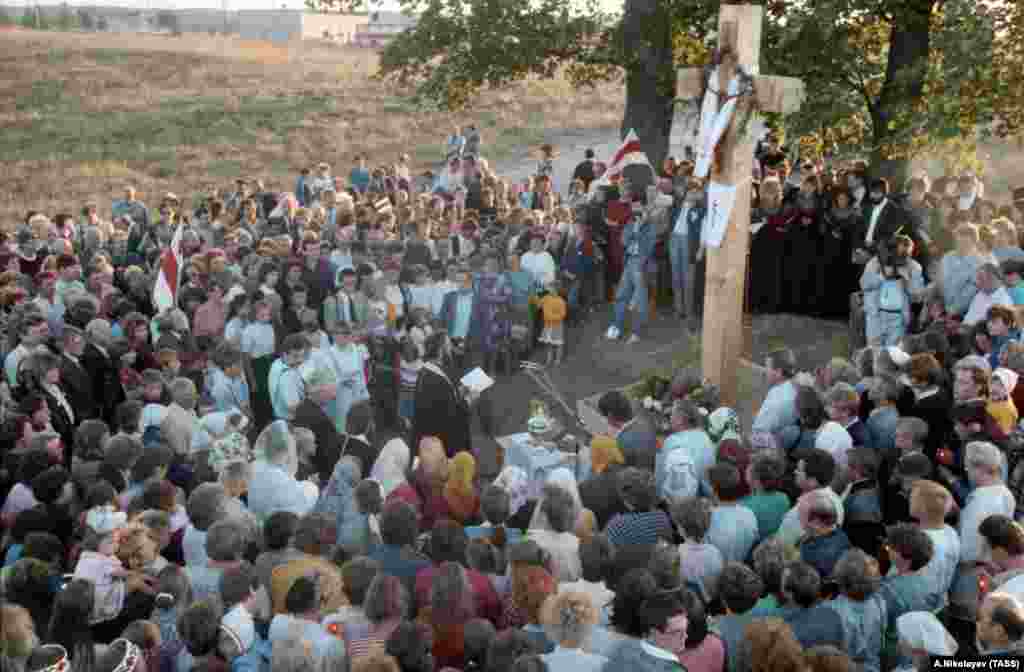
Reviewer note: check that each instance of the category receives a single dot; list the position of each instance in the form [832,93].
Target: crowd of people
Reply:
[235,437]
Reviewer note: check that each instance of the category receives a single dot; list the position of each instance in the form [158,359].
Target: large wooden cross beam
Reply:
[722,340]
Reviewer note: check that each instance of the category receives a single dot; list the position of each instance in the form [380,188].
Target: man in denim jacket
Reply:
[638,242]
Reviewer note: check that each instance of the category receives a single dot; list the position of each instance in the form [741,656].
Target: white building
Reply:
[382,28]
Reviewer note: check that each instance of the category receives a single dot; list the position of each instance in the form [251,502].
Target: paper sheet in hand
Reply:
[721,198]
[476,381]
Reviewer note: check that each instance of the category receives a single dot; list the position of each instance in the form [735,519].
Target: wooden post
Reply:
[722,340]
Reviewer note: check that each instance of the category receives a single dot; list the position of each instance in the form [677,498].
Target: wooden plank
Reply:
[722,338]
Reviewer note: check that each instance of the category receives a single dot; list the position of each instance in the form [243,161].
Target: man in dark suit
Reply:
[636,439]
[102,369]
[883,219]
[75,380]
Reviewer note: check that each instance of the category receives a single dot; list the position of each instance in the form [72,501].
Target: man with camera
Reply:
[891,282]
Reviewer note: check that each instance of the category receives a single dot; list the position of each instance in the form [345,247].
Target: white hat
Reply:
[104,519]
[923,632]
[899,358]
[1007,377]
[239,626]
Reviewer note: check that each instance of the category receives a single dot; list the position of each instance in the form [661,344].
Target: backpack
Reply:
[680,476]
[891,296]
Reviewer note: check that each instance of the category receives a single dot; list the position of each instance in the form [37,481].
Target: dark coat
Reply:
[106,382]
[639,445]
[78,388]
[600,494]
[441,411]
[328,440]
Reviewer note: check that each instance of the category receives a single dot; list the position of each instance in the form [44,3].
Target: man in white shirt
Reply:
[990,496]
[777,415]
[287,388]
[989,279]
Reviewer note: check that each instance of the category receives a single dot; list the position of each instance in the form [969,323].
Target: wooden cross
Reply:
[723,338]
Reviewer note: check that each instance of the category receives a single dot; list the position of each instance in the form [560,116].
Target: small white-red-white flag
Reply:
[165,291]
[629,153]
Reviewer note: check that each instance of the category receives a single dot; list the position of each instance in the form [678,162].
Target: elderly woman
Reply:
[385,605]
[392,466]
[824,542]
[559,539]
[425,489]
[861,609]
[569,618]
[273,486]
[701,563]
[338,497]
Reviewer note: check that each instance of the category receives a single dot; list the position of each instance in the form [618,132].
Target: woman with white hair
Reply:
[989,497]
[273,486]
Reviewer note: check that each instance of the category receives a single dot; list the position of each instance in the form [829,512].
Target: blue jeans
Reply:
[679,256]
[632,289]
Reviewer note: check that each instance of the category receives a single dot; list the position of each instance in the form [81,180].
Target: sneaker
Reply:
[613,333]
[633,339]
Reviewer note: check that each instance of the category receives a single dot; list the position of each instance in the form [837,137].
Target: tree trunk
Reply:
[650,76]
[909,44]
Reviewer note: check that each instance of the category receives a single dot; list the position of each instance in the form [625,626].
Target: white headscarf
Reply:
[391,466]
[515,482]
[564,479]
[923,632]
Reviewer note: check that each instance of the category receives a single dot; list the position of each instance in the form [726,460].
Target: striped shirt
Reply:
[639,528]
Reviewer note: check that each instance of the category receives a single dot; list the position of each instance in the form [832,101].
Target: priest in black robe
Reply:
[441,408]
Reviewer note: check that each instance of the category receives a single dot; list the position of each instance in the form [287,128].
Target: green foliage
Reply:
[5,17]
[897,79]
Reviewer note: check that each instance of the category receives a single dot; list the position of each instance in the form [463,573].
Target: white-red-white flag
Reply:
[629,153]
[165,291]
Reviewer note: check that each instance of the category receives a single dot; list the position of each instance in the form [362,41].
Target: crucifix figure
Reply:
[731,169]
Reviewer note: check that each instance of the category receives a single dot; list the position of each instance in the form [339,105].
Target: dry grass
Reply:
[83,114]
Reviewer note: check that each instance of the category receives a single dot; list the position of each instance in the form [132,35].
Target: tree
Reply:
[5,17]
[892,78]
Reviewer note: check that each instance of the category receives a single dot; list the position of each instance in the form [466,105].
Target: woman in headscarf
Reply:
[516,483]
[338,499]
[563,479]
[724,431]
[604,452]
[392,466]
[461,491]
[425,490]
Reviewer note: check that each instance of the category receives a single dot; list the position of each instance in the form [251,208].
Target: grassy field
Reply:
[84,114]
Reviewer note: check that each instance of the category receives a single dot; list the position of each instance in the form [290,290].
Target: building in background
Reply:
[285,25]
[382,28]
